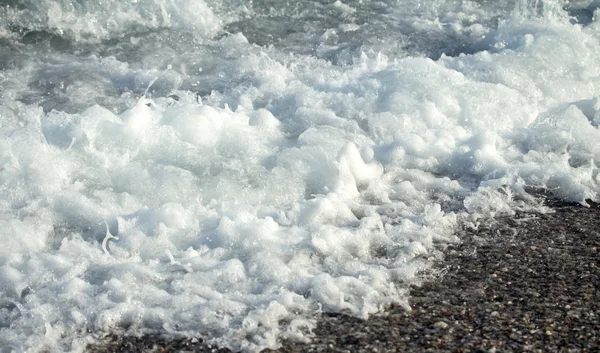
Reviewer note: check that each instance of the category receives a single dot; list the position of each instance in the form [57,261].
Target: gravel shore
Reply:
[524,283]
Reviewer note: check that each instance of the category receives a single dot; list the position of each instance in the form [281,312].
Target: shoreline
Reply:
[524,283]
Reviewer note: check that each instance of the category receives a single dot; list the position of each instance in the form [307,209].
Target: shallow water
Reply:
[229,168]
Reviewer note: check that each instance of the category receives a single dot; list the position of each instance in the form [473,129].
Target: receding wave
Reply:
[97,20]
[230,170]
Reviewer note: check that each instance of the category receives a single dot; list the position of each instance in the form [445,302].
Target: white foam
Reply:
[98,20]
[296,186]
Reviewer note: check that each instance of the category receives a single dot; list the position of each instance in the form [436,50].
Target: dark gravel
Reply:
[525,283]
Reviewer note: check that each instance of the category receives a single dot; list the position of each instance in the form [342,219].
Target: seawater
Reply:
[229,169]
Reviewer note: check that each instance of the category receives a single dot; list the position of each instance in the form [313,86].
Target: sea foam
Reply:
[296,185]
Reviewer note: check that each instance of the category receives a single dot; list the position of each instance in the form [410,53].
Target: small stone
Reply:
[495,314]
[440,325]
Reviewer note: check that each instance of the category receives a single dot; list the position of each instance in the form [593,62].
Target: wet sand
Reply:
[524,283]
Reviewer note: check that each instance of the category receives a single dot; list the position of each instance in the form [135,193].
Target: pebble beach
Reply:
[291,176]
[529,283]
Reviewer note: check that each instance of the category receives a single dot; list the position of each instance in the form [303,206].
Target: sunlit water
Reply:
[228,169]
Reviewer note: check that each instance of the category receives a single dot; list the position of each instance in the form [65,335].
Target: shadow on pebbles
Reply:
[525,283]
